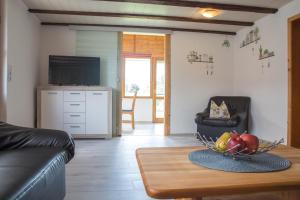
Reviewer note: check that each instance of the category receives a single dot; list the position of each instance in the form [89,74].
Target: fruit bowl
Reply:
[235,151]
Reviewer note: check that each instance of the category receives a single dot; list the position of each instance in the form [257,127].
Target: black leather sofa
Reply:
[239,110]
[32,163]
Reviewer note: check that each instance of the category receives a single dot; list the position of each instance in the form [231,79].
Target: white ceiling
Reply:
[118,7]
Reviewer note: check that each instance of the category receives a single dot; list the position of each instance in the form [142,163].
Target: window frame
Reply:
[155,119]
[132,55]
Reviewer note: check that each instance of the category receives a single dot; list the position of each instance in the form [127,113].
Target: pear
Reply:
[221,143]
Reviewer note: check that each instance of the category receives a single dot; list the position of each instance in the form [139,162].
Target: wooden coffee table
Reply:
[168,174]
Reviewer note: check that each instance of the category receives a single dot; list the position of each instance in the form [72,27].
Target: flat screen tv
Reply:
[74,70]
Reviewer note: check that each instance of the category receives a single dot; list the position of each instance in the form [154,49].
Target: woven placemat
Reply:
[265,162]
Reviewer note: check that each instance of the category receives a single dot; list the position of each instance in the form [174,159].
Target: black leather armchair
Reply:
[214,128]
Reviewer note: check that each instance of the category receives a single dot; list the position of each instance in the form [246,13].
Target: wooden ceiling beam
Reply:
[141,16]
[140,27]
[195,4]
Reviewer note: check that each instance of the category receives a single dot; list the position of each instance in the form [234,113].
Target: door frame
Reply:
[167,85]
[167,46]
[290,71]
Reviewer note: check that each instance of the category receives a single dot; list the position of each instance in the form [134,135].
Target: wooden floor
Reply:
[143,129]
[107,169]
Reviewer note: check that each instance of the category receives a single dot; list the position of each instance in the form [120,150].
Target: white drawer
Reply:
[74,118]
[74,95]
[74,128]
[74,107]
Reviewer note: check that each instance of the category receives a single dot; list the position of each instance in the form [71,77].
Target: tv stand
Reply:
[83,111]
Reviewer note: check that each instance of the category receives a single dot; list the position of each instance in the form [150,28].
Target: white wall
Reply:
[23,52]
[55,41]
[191,88]
[268,90]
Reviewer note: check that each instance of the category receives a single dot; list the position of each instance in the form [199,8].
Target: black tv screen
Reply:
[74,70]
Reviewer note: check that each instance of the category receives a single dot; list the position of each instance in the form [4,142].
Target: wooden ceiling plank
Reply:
[181,3]
[141,16]
[140,27]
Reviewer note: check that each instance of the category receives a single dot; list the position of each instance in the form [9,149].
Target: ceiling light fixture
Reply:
[210,12]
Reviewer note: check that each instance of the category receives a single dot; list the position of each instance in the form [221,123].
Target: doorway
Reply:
[144,77]
[294,82]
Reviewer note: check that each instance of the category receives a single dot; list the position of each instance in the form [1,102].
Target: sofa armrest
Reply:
[15,137]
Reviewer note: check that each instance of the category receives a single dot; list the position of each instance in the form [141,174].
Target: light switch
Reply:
[9,73]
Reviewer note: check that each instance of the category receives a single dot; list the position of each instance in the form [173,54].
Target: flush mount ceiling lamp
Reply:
[210,12]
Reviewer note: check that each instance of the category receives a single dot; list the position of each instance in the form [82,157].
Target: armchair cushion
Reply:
[233,121]
[220,112]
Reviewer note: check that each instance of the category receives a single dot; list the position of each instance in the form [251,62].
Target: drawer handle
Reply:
[97,93]
[74,115]
[74,93]
[74,126]
[73,104]
[52,92]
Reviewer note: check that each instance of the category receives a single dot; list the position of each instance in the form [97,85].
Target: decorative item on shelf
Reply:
[238,146]
[209,69]
[260,51]
[251,37]
[205,57]
[226,43]
[265,54]
[256,32]
[194,56]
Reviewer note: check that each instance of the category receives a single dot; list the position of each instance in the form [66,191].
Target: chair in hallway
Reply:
[130,111]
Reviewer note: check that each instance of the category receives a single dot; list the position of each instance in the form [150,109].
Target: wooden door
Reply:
[294,82]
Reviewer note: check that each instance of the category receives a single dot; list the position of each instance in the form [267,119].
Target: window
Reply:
[160,78]
[159,101]
[137,72]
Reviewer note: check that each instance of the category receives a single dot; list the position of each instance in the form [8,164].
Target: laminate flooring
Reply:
[143,129]
[107,169]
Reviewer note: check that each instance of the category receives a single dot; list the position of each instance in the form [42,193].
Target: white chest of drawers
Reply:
[84,112]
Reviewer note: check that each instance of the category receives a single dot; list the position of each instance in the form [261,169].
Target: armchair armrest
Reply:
[235,117]
[14,137]
[200,116]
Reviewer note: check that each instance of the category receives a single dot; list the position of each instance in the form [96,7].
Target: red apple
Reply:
[252,143]
[235,144]
[235,135]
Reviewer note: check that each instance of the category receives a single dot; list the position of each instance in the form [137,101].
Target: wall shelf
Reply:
[267,56]
[201,61]
[254,41]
